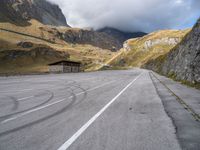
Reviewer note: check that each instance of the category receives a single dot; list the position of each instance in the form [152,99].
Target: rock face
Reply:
[183,61]
[126,46]
[167,41]
[21,11]
[25,44]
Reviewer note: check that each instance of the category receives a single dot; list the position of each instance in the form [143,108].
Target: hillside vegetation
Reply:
[21,53]
[136,52]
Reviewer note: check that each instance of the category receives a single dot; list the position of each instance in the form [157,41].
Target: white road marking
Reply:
[48,105]
[71,140]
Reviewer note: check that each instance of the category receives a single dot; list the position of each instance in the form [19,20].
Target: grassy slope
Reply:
[139,55]
[158,63]
[92,57]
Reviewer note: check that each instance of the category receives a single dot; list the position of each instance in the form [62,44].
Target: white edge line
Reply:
[48,105]
[70,141]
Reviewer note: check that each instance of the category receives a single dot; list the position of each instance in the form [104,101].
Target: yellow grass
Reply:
[139,55]
[90,56]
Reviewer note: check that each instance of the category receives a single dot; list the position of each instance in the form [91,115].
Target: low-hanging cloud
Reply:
[130,15]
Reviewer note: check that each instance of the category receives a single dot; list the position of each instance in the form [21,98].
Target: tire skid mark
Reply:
[16,113]
[68,106]
[73,96]
[17,103]
[5,117]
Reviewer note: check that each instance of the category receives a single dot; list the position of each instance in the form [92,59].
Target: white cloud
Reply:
[130,15]
[179,1]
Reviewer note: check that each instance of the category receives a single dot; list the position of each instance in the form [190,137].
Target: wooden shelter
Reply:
[65,67]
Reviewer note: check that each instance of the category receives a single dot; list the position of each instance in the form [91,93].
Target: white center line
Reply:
[48,105]
[71,140]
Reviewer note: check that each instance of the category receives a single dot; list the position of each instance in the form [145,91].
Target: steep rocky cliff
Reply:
[21,11]
[183,61]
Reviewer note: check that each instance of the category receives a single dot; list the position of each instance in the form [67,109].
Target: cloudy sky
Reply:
[131,15]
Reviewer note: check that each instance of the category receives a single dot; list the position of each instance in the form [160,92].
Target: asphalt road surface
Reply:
[107,110]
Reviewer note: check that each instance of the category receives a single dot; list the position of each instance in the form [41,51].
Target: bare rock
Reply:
[21,11]
[25,44]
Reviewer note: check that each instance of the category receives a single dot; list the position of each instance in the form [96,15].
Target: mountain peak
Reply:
[21,11]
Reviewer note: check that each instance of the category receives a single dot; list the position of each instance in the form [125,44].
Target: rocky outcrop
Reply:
[183,61]
[25,44]
[21,11]
[126,46]
[165,41]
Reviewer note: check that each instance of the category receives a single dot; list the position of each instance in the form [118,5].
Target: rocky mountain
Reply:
[182,62]
[120,36]
[97,39]
[21,11]
[138,51]
[104,39]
